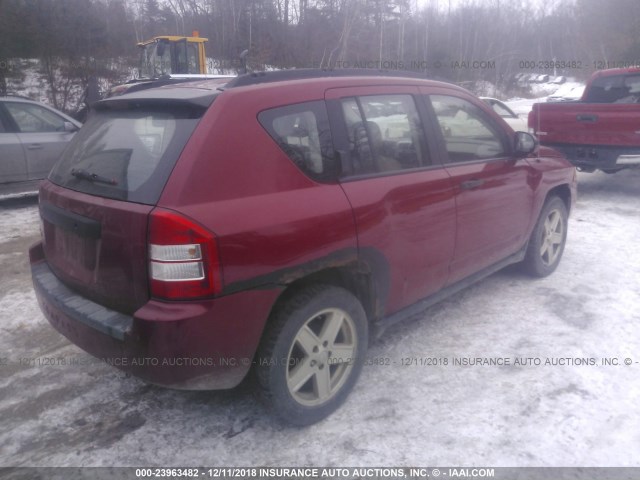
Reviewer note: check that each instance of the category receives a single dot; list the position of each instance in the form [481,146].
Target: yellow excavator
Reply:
[164,59]
[172,55]
[168,59]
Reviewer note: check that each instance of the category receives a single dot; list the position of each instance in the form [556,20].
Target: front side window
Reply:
[302,132]
[34,118]
[468,132]
[385,133]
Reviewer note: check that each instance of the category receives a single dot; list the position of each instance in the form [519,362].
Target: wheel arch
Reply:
[367,279]
[563,192]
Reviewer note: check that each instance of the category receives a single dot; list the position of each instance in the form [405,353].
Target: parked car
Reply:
[516,122]
[600,130]
[280,221]
[32,138]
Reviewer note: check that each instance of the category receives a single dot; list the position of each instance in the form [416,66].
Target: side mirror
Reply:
[70,127]
[524,143]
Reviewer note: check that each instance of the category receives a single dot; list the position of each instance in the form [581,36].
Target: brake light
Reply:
[183,258]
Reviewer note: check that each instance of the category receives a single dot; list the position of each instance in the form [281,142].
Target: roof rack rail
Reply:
[304,73]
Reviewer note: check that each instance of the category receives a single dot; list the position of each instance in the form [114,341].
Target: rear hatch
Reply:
[95,207]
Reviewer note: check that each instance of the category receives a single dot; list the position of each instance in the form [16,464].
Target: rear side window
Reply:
[302,132]
[126,154]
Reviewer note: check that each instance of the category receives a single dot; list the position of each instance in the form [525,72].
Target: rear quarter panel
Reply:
[272,222]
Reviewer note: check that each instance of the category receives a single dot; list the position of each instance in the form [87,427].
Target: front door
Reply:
[493,189]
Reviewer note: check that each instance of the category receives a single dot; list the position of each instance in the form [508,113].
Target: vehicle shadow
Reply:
[598,184]
[27,200]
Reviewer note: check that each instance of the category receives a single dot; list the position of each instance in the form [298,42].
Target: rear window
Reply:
[126,154]
[615,89]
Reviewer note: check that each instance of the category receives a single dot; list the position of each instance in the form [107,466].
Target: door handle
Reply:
[34,146]
[471,184]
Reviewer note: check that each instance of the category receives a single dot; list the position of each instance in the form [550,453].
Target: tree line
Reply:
[463,41]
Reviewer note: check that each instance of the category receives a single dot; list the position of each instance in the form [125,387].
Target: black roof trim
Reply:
[256,78]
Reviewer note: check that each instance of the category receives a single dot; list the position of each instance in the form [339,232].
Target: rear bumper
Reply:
[600,157]
[199,345]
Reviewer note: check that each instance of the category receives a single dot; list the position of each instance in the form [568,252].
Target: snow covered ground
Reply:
[568,91]
[88,414]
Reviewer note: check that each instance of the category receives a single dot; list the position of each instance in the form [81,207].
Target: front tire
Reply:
[312,353]
[548,239]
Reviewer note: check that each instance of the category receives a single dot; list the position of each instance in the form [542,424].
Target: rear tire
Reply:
[312,353]
[548,239]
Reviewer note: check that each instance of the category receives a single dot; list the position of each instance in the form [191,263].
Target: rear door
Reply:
[493,189]
[401,196]
[13,165]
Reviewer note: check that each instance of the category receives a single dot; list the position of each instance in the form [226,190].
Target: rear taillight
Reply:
[183,258]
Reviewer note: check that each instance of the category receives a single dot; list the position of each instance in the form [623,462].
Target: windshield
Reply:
[126,154]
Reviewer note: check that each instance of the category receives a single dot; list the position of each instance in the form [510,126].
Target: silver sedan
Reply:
[32,138]
[516,122]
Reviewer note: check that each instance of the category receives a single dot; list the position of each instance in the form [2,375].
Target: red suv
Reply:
[279,221]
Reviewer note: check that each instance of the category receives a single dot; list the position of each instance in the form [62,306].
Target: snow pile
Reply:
[17,222]
[570,91]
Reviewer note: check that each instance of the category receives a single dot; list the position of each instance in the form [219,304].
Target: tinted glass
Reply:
[302,132]
[616,89]
[385,133]
[468,132]
[126,154]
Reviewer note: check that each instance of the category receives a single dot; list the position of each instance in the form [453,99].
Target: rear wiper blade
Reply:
[92,177]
